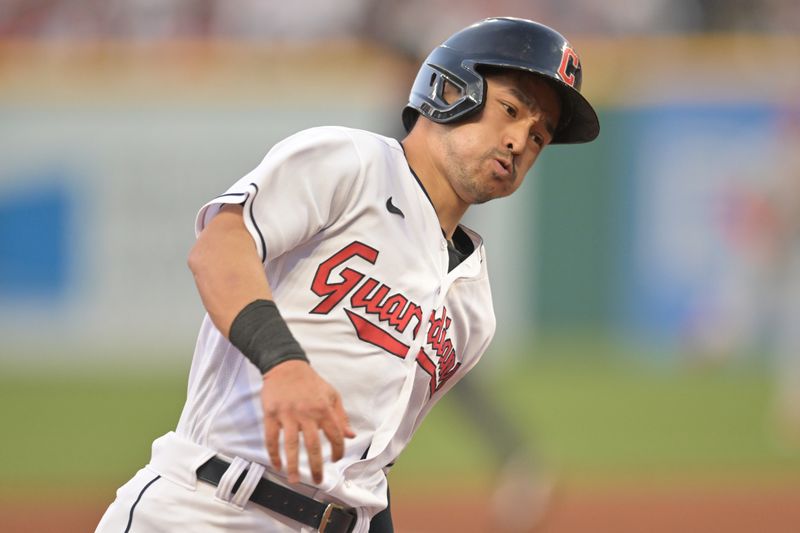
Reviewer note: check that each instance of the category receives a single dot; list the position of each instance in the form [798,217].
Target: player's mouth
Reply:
[504,168]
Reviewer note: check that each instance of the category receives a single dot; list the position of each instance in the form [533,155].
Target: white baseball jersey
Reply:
[358,266]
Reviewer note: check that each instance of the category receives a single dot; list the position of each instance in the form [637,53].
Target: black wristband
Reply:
[261,334]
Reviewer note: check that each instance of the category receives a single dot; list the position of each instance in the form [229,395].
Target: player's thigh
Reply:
[150,504]
[118,515]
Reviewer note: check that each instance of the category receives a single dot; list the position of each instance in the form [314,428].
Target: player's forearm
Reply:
[227,270]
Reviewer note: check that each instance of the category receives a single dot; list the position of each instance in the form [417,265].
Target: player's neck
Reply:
[447,204]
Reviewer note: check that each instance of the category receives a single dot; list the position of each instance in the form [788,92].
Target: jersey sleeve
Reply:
[302,186]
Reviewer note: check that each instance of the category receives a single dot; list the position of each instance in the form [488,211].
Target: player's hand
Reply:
[297,400]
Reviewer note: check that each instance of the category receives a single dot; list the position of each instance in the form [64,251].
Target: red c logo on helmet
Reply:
[566,72]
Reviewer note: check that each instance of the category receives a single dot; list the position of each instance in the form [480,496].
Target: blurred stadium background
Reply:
[647,285]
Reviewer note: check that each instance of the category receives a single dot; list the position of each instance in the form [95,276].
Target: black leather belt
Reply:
[325,517]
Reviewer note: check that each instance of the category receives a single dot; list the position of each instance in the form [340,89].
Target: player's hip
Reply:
[150,502]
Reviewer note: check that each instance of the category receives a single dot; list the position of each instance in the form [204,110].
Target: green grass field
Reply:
[591,419]
[610,421]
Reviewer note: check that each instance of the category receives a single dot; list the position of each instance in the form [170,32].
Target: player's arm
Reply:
[226,267]
[234,289]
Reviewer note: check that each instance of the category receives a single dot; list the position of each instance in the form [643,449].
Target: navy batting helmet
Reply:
[502,43]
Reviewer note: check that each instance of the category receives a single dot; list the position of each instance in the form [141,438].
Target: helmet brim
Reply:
[579,122]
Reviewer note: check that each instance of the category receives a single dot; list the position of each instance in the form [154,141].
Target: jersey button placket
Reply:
[445,258]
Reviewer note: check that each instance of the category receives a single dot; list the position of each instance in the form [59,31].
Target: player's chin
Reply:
[490,187]
[490,194]
[499,187]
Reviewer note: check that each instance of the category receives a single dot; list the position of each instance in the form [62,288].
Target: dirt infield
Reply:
[728,510]
[774,510]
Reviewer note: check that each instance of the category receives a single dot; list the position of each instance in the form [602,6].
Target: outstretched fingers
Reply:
[272,432]
[293,425]
[291,445]
[334,435]
[298,404]
[313,449]
[336,427]
[342,418]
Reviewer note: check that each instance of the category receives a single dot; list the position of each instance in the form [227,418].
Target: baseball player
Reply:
[344,298]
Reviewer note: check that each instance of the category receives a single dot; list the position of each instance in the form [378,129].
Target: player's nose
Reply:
[515,137]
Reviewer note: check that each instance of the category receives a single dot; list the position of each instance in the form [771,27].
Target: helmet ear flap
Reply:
[410,116]
[438,85]
[428,92]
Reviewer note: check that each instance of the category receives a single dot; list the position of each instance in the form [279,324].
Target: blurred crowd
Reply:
[407,25]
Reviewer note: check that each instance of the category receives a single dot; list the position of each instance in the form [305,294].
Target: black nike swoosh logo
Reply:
[393,208]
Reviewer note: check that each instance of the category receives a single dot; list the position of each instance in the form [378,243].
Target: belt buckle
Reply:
[326,516]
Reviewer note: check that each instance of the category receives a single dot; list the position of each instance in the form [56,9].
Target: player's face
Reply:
[488,156]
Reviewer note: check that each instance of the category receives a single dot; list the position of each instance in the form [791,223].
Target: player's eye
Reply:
[510,110]
[537,138]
